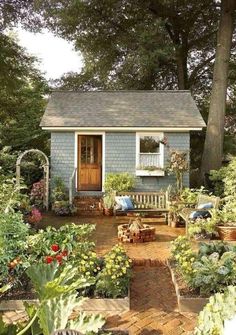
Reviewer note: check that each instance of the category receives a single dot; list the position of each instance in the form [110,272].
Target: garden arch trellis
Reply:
[45,172]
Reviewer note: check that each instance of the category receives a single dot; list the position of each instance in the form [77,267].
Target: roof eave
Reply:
[124,129]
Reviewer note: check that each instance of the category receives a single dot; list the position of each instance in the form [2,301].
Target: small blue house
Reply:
[101,132]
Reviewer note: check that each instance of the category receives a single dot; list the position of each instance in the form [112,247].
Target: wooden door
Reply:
[89,163]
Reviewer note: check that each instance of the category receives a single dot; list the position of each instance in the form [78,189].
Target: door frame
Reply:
[76,155]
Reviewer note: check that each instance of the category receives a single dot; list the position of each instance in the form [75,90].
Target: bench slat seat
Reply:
[147,202]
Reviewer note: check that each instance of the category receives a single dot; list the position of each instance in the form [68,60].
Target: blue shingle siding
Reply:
[120,156]
[62,155]
[120,153]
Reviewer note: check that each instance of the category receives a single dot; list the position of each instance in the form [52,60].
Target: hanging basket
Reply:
[227,233]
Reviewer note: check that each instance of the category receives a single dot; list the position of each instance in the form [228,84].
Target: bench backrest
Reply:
[204,198]
[147,199]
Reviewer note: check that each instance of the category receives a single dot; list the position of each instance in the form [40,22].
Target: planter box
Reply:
[147,173]
[89,305]
[185,303]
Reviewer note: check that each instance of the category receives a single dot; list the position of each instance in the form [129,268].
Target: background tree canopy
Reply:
[149,44]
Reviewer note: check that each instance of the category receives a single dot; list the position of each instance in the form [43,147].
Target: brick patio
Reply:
[153,300]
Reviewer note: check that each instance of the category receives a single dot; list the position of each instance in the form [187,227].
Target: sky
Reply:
[56,54]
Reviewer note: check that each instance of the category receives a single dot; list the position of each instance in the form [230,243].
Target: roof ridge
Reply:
[122,91]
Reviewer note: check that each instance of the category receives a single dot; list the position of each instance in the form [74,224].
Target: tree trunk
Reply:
[213,147]
[182,70]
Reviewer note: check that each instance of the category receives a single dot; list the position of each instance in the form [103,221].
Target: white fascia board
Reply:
[124,129]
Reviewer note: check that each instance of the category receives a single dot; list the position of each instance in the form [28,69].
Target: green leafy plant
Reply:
[72,238]
[202,228]
[10,196]
[13,247]
[206,249]
[208,271]
[109,200]
[113,280]
[59,190]
[221,307]
[214,272]
[56,290]
[119,182]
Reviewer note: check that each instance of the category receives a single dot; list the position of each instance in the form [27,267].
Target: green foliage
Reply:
[109,200]
[230,181]
[224,180]
[217,178]
[213,273]
[71,237]
[221,307]
[13,247]
[220,247]
[56,289]
[143,49]
[22,99]
[119,182]
[10,196]
[208,271]
[59,190]
[60,198]
[50,281]
[203,227]
[113,280]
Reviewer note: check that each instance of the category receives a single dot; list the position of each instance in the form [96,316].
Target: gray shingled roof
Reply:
[122,109]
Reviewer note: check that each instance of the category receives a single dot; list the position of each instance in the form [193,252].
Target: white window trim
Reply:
[103,153]
[158,172]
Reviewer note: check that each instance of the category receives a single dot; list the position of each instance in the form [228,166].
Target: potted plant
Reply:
[202,229]
[108,203]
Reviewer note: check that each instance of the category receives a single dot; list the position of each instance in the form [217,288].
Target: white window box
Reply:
[147,173]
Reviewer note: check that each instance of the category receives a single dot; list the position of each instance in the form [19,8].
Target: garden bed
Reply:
[188,301]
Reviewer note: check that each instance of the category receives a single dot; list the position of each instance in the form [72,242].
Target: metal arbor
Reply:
[45,172]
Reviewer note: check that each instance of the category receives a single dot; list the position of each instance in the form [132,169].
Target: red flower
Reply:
[55,247]
[59,258]
[64,253]
[48,259]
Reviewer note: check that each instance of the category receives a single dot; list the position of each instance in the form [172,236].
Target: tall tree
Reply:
[152,44]
[213,147]
[22,97]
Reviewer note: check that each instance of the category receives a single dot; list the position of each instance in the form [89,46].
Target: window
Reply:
[149,154]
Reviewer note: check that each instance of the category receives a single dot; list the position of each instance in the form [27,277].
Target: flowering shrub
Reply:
[37,193]
[63,208]
[88,264]
[35,216]
[113,280]
[184,257]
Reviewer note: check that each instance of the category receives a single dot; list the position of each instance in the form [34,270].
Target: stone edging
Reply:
[186,304]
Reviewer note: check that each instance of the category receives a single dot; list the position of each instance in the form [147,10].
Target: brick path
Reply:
[153,301]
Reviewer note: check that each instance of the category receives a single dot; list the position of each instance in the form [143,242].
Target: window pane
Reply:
[149,144]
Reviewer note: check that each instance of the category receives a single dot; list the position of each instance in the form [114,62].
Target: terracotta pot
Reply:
[108,211]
